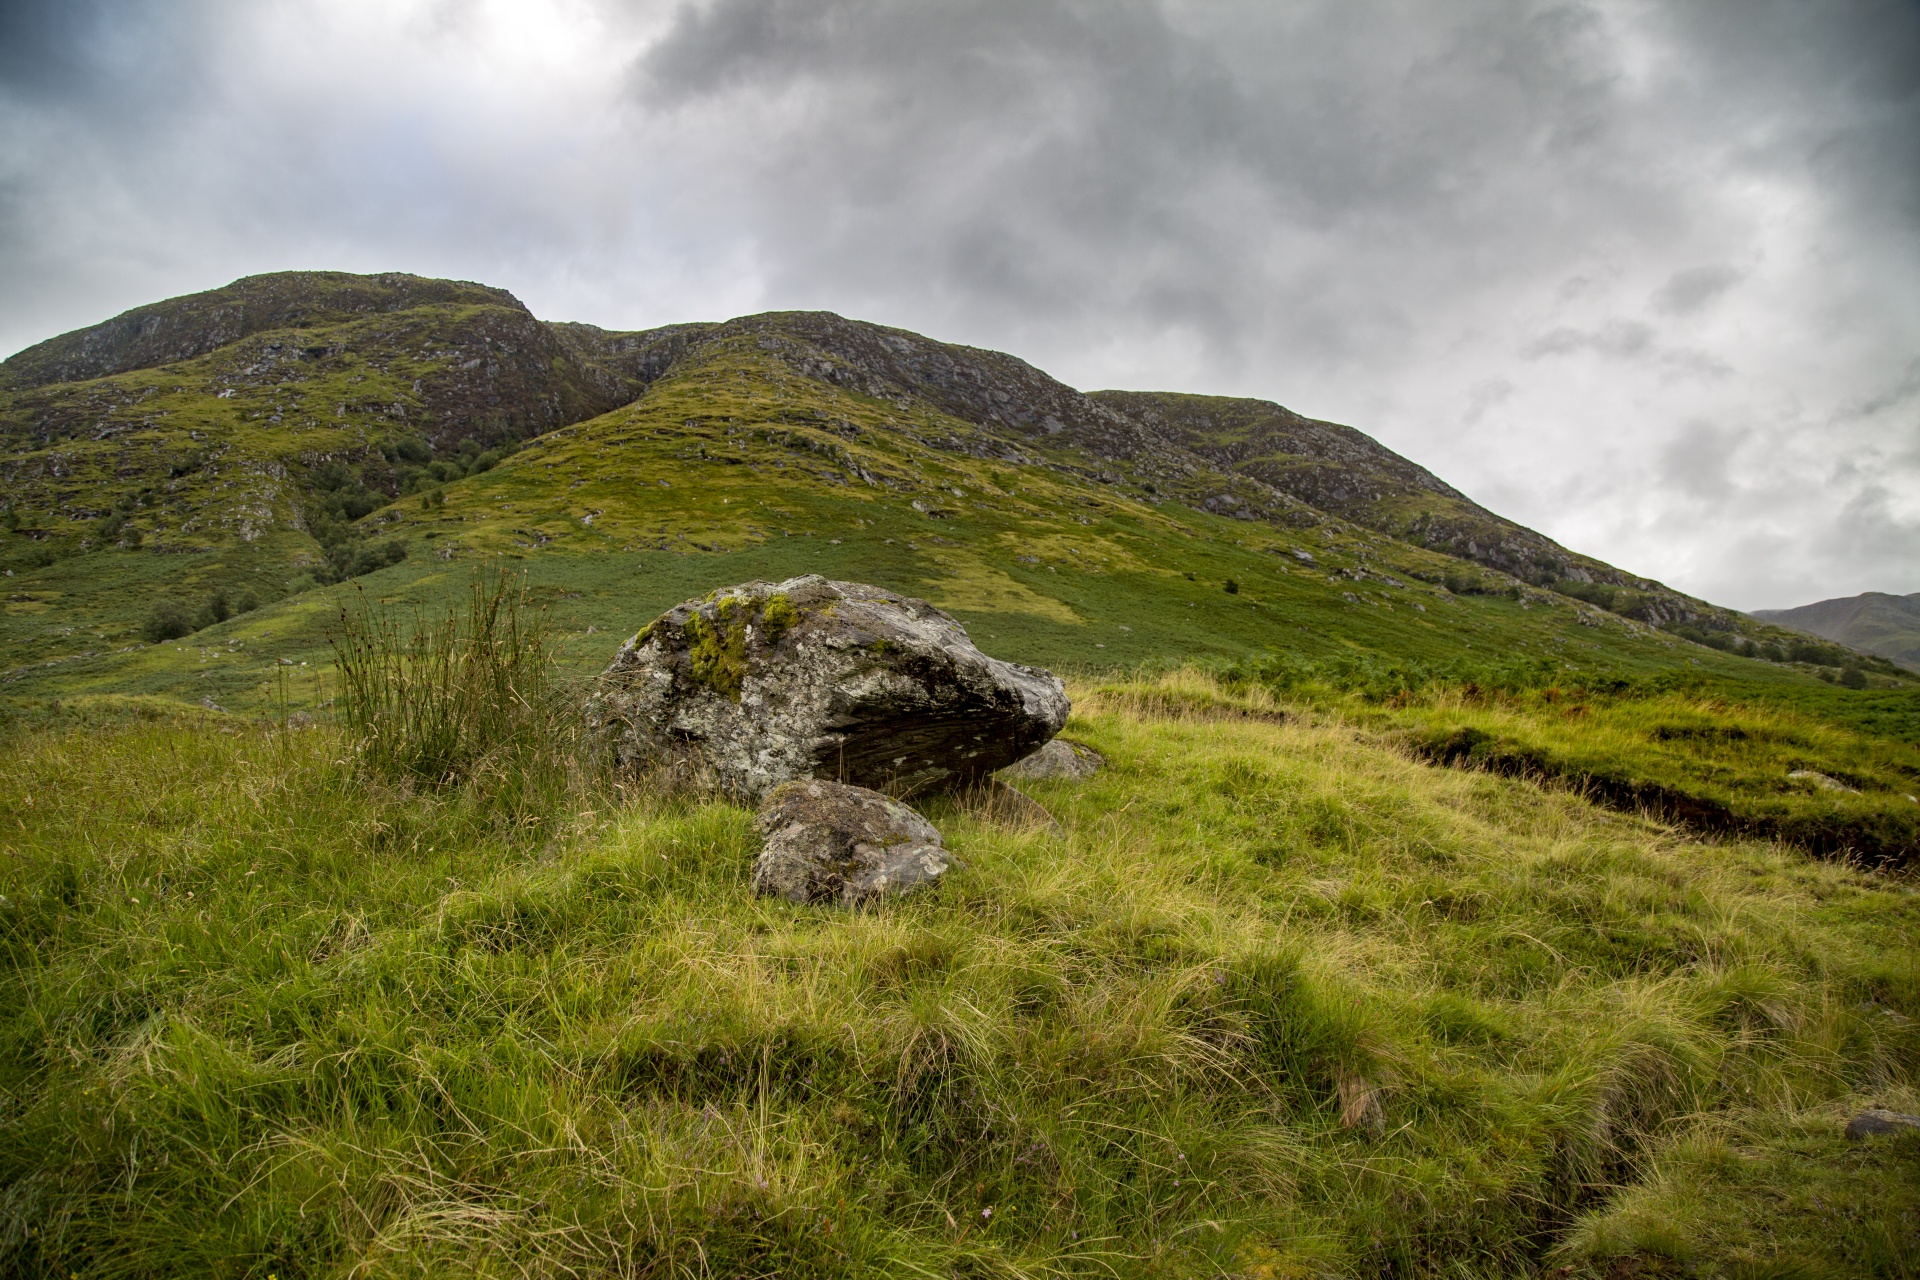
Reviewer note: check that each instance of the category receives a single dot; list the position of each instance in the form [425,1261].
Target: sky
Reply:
[1643,275]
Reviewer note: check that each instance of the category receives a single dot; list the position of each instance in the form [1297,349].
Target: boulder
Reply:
[1876,1121]
[828,842]
[759,684]
[1058,759]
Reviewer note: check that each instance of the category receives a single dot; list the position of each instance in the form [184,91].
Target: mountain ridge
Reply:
[389,417]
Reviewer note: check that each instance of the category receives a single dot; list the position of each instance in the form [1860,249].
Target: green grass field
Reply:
[1279,999]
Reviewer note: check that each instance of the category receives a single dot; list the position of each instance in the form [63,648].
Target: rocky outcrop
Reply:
[183,328]
[1347,473]
[1059,760]
[827,842]
[763,683]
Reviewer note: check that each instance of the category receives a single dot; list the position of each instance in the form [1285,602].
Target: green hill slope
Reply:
[229,460]
[1872,622]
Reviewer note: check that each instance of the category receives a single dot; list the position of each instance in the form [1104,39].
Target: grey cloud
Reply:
[1484,396]
[1697,460]
[109,59]
[1689,290]
[1122,155]
[1621,339]
[1901,390]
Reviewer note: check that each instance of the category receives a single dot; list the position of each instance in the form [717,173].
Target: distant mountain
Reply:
[1873,621]
[252,447]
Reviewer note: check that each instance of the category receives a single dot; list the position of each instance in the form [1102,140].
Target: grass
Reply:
[1717,767]
[1769,1193]
[1678,747]
[465,699]
[1278,999]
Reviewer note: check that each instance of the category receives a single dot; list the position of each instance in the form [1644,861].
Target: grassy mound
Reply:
[1276,1000]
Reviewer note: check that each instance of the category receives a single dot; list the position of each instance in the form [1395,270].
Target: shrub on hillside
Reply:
[172,619]
[1712,638]
[353,558]
[168,620]
[1597,594]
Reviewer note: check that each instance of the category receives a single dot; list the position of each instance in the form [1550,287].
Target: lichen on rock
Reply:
[761,683]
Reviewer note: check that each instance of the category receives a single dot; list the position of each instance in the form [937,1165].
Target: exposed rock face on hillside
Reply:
[1014,401]
[1334,467]
[1337,469]
[759,684]
[621,365]
[182,328]
[827,842]
[468,360]
[218,418]
[1247,459]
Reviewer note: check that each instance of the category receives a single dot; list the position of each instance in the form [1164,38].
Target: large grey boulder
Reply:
[758,684]
[827,842]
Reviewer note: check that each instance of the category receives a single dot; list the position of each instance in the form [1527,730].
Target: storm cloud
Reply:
[1645,276]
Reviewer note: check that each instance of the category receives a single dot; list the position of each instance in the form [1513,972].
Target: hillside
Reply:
[238,451]
[1340,470]
[1872,622]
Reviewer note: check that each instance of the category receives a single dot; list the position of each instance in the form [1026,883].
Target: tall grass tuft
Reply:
[467,699]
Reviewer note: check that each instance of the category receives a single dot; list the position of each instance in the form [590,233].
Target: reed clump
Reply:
[462,700]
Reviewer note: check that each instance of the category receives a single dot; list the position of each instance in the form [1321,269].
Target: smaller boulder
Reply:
[1059,759]
[830,842]
[1870,1123]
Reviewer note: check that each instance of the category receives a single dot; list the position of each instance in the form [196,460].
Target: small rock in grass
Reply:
[1822,781]
[996,801]
[1057,759]
[829,842]
[1877,1121]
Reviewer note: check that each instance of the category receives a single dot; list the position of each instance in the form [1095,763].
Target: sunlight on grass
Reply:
[1277,1000]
